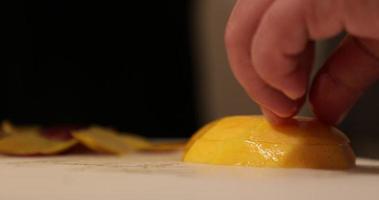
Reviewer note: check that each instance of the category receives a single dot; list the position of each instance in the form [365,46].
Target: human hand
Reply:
[270,49]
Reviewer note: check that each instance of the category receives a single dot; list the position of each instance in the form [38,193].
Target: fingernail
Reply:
[271,117]
[274,119]
[294,94]
[291,111]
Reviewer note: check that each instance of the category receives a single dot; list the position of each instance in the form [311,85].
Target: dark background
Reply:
[125,64]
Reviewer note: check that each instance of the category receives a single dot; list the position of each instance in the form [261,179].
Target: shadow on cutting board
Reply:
[366,168]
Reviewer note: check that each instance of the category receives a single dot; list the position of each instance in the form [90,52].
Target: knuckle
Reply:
[361,18]
[229,37]
[322,17]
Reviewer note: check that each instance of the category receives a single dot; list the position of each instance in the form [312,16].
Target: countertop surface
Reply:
[163,176]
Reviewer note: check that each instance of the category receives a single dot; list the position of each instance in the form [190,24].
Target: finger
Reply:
[349,72]
[361,18]
[280,44]
[275,119]
[240,30]
[272,117]
[288,25]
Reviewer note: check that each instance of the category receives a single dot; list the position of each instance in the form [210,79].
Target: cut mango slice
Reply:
[106,140]
[62,132]
[32,143]
[136,142]
[167,146]
[102,140]
[252,141]
[8,128]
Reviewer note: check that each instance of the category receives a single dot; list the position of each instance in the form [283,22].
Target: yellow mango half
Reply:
[32,143]
[252,141]
[198,134]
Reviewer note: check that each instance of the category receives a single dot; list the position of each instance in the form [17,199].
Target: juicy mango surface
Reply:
[252,141]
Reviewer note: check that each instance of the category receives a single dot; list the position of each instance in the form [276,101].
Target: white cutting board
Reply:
[163,176]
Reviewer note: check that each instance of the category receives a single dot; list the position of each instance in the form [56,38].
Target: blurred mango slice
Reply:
[252,141]
[32,143]
[136,142]
[166,146]
[33,140]
[62,132]
[8,128]
[102,140]
[107,140]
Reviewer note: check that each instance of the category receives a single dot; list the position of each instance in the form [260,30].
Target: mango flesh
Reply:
[136,142]
[102,140]
[167,146]
[33,143]
[252,141]
[35,140]
[105,140]
[7,128]
[198,134]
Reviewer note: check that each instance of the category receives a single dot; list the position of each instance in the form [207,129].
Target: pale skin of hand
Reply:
[270,50]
